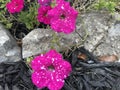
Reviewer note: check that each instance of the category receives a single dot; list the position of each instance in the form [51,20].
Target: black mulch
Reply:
[90,74]
[15,76]
[87,74]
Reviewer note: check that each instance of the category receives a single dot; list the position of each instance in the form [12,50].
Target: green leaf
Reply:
[9,25]
[2,6]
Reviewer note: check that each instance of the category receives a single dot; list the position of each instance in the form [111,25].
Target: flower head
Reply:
[15,6]
[63,17]
[50,70]
[59,1]
[44,2]
[42,14]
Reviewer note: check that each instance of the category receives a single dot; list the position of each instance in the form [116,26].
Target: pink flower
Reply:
[59,1]
[44,2]
[50,70]
[42,14]
[15,6]
[63,18]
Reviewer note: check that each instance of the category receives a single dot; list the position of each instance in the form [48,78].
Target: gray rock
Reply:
[41,40]
[103,33]
[116,16]
[33,43]
[96,25]
[114,30]
[111,44]
[9,51]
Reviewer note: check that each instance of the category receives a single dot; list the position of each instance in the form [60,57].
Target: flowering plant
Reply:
[49,69]
[58,14]
[17,12]
[62,17]
[15,6]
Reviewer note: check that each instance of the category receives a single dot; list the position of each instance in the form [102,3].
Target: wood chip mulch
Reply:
[89,73]
[15,76]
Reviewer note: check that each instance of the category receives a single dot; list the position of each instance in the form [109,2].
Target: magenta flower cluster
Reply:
[50,70]
[15,6]
[42,14]
[44,2]
[62,17]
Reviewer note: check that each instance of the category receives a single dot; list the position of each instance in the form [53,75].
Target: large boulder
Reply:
[9,51]
[103,33]
[41,40]
[96,29]
[111,42]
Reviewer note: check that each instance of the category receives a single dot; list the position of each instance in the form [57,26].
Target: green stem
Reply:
[13,18]
[55,40]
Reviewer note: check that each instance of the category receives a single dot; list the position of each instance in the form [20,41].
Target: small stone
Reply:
[9,51]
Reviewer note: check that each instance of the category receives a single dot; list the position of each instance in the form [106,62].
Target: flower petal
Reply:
[50,69]
[56,83]
[42,14]
[53,54]
[40,79]
[63,69]
[40,63]
[66,24]
[44,2]
[15,6]
[36,63]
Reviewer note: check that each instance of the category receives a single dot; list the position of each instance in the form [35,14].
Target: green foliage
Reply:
[106,5]
[3,4]
[29,17]
[3,19]
[29,59]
